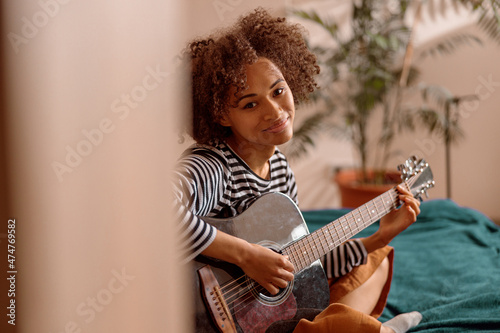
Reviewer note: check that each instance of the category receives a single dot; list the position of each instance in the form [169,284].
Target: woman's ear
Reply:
[224,121]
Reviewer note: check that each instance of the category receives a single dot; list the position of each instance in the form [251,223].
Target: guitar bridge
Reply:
[215,302]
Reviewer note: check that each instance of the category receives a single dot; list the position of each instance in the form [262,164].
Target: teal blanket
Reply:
[446,266]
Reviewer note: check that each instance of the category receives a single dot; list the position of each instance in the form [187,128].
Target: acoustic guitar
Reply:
[229,301]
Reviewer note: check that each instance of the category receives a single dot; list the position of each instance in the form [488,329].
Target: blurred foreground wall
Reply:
[89,117]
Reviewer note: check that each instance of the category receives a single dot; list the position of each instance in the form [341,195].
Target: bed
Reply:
[446,266]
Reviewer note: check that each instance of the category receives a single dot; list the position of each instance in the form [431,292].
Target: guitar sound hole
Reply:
[265,297]
[260,293]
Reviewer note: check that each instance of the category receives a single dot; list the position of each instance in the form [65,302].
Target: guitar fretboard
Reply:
[308,249]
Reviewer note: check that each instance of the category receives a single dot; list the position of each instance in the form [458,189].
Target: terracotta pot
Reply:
[354,194]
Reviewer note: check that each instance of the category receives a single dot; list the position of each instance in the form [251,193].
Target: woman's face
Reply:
[262,115]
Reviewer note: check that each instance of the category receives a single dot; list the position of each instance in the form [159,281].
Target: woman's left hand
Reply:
[401,218]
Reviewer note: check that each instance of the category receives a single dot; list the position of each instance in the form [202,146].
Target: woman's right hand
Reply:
[269,269]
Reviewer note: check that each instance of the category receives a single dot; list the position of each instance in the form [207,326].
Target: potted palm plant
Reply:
[369,71]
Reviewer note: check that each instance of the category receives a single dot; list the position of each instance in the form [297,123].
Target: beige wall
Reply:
[91,112]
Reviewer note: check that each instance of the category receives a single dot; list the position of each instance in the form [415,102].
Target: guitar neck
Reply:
[310,248]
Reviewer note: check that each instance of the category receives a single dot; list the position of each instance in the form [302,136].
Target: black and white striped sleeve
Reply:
[344,258]
[198,185]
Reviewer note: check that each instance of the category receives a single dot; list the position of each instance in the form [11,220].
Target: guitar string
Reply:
[243,296]
[227,295]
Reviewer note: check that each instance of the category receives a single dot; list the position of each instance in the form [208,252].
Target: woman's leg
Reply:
[366,296]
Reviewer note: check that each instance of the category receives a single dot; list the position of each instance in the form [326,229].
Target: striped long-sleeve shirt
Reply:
[214,181]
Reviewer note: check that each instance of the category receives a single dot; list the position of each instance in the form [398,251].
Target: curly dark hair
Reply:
[218,64]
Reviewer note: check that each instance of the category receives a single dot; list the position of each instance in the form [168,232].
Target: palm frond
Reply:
[490,24]
[313,16]
[451,44]
[489,17]
[436,95]
[303,136]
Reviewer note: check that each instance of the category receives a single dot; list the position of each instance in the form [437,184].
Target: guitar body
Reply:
[273,221]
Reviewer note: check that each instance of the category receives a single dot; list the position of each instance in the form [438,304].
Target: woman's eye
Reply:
[278,91]
[249,105]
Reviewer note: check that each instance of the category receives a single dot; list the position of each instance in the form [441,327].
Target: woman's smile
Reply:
[279,125]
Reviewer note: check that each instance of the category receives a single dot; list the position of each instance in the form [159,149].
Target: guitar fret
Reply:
[361,218]
[369,213]
[324,244]
[317,246]
[376,208]
[308,249]
[349,224]
[356,219]
[385,202]
[368,210]
[377,205]
[312,249]
[331,237]
[318,253]
[327,241]
[292,254]
[301,251]
[342,227]
[304,254]
[334,225]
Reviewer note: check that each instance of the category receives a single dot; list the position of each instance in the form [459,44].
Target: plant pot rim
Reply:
[354,194]
[350,177]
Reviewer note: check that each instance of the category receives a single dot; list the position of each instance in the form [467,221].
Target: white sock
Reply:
[403,322]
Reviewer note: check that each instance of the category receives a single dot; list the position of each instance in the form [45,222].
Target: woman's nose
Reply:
[272,110]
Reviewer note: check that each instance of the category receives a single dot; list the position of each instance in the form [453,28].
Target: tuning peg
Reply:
[404,172]
[407,169]
[413,161]
[429,185]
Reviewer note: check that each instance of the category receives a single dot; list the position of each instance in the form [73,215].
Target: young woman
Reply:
[246,83]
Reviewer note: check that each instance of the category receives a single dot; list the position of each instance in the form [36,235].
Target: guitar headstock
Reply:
[418,175]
